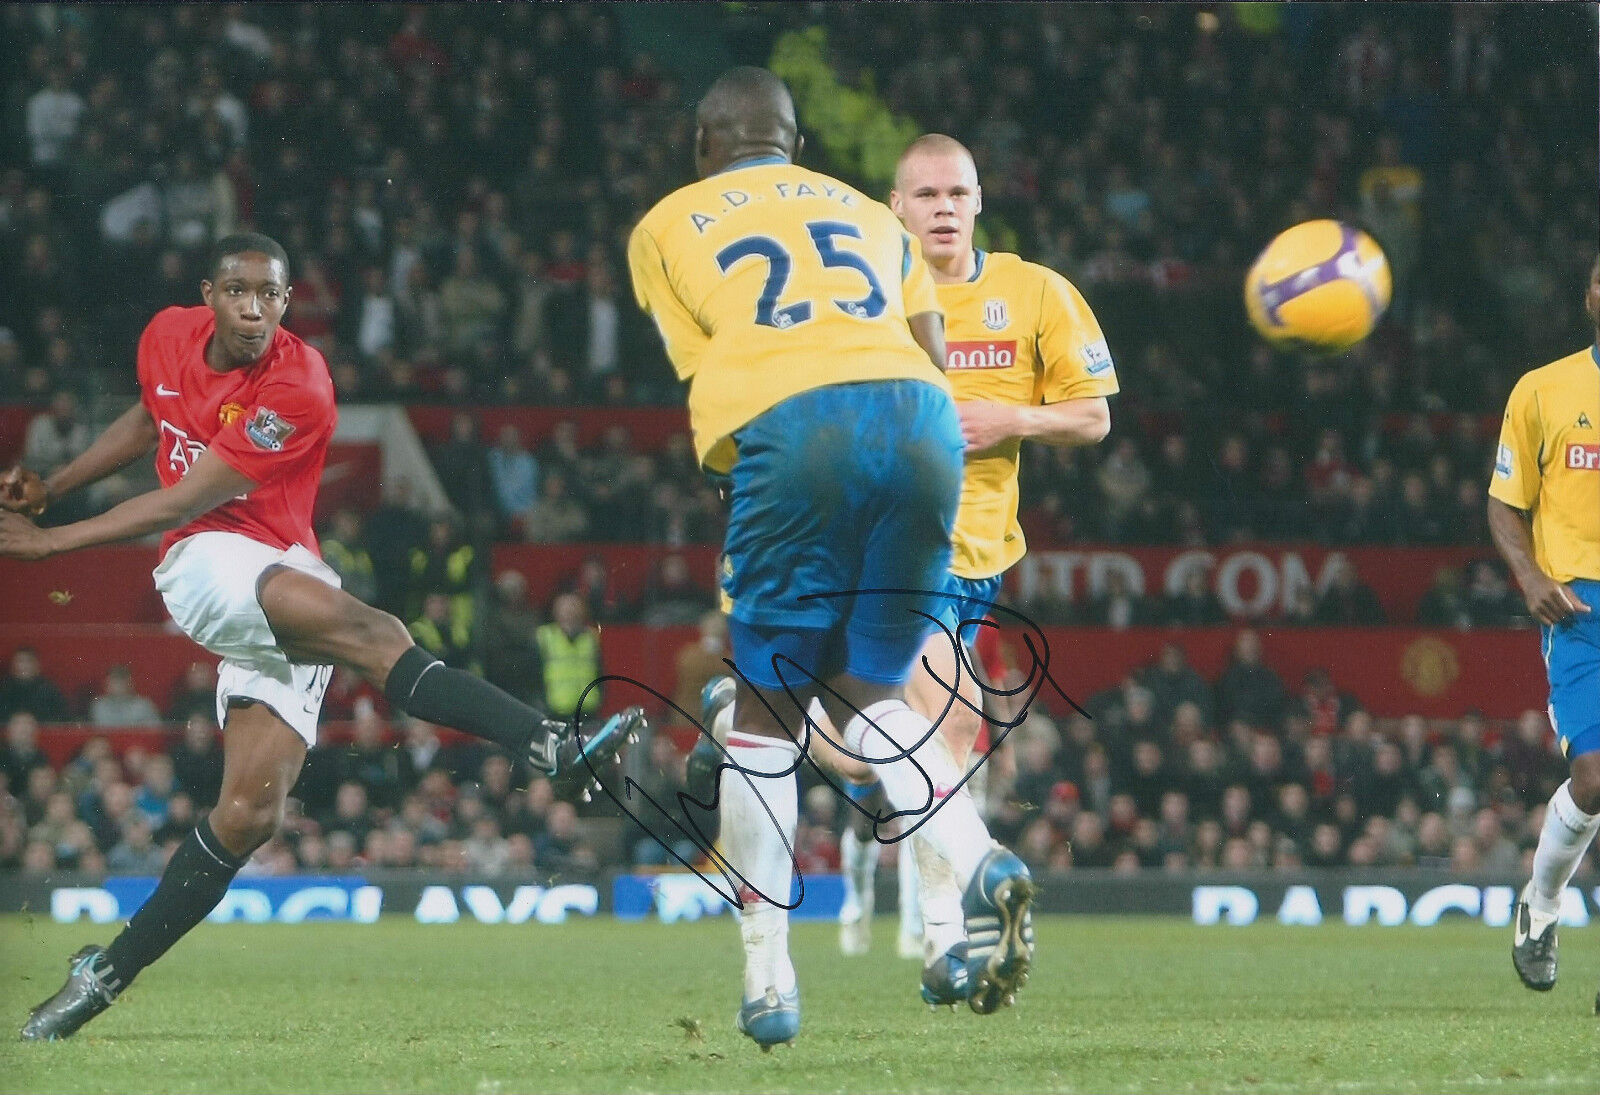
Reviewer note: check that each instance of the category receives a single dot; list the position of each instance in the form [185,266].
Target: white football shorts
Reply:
[208,582]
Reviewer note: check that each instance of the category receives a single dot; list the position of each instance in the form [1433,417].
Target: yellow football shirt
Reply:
[1548,463]
[1017,333]
[768,280]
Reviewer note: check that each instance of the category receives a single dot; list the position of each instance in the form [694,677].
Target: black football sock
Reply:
[196,877]
[423,686]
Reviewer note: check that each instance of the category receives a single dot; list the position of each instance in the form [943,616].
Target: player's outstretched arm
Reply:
[985,423]
[1549,601]
[208,484]
[129,437]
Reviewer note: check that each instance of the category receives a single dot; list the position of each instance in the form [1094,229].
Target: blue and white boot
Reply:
[948,981]
[999,930]
[773,1019]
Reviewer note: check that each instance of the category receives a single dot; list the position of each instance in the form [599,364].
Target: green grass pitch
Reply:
[1115,1005]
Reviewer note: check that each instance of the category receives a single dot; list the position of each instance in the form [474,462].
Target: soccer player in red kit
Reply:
[240,413]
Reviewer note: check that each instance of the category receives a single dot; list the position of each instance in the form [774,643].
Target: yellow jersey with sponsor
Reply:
[1019,333]
[1548,463]
[768,280]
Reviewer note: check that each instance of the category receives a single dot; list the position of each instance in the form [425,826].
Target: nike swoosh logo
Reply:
[162,389]
[1523,921]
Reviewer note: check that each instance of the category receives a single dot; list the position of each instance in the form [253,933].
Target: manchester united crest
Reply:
[995,315]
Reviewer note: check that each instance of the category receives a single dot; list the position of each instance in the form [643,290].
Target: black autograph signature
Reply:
[807,682]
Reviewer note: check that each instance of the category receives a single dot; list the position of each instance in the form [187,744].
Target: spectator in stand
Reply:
[53,439]
[1417,518]
[60,830]
[1116,605]
[447,564]
[137,851]
[21,755]
[349,814]
[508,637]
[194,693]
[569,652]
[372,326]
[344,548]
[1534,767]
[119,704]
[393,530]
[370,760]
[699,661]
[157,785]
[1322,704]
[1348,601]
[1195,605]
[593,583]
[662,780]
[472,307]
[1445,603]
[420,752]
[1173,682]
[673,598]
[26,688]
[463,468]
[197,759]
[438,632]
[1124,482]
[530,293]
[1249,690]
[1491,602]
[561,848]
[556,517]
[317,295]
[514,474]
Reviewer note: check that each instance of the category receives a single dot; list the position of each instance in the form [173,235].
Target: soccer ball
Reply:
[1320,287]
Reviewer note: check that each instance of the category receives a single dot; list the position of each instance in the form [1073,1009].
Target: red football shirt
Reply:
[271,421]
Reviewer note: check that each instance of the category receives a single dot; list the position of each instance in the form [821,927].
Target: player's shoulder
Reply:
[178,321]
[1020,276]
[1575,367]
[297,363]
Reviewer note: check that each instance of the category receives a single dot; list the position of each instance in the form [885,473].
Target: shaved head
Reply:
[937,196]
[747,112]
[932,144]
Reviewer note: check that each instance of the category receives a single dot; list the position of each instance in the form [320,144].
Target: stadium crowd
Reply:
[455,184]
[1171,772]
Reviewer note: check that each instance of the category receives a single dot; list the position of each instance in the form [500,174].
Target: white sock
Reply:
[910,903]
[1565,837]
[722,725]
[943,923]
[762,852]
[888,728]
[858,863]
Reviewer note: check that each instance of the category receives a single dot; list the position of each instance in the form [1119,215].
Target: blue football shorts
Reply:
[839,489]
[1572,657]
[966,602]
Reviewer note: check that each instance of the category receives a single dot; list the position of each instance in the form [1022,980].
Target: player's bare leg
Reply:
[317,624]
[1570,822]
[760,806]
[262,758]
[920,780]
[939,892]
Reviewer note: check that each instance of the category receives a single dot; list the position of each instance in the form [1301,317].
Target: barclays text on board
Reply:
[1354,899]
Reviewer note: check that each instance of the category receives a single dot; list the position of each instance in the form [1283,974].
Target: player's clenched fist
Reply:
[20,538]
[22,491]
